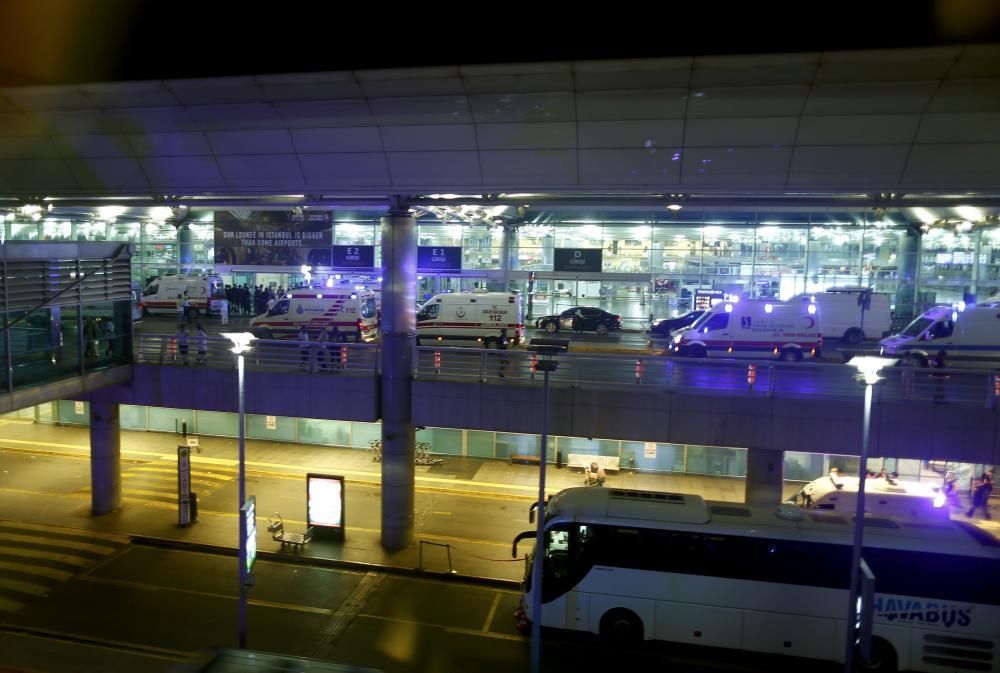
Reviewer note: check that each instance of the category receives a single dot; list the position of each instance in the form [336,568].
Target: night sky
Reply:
[65,41]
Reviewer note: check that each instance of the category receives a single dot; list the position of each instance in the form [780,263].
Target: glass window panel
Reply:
[331,433]
[582,234]
[590,447]
[442,440]
[132,417]
[57,230]
[283,429]
[834,257]
[663,458]
[440,234]
[717,460]
[354,233]
[71,413]
[363,433]
[221,423]
[627,248]
[125,231]
[24,231]
[479,443]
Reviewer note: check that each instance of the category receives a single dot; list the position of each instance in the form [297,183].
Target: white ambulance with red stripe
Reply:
[202,292]
[753,328]
[471,319]
[353,312]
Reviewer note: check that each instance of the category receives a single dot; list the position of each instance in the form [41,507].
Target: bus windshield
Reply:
[368,308]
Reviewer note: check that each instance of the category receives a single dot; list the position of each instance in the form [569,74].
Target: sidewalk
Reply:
[455,475]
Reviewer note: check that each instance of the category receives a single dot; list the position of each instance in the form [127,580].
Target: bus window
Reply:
[281,308]
[151,289]
[429,312]
[368,308]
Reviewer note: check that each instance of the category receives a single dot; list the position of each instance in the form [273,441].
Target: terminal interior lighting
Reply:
[241,341]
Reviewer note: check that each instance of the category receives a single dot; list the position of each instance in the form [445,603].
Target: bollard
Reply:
[534,364]
[638,371]
[751,375]
[437,362]
[343,357]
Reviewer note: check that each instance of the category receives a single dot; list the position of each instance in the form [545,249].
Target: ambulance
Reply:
[883,497]
[203,293]
[851,314]
[471,319]
[969,336]
[353,312]
[753,328]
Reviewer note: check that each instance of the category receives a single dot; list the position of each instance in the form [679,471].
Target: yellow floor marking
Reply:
[493,610]
[62,544]
[168,480]
[449,629]
[23,587]
[48,556]
[97,535]
[442,513]
[7,605]
[40,571]
[497,636]
[148,651]
[156,587]
[168,492]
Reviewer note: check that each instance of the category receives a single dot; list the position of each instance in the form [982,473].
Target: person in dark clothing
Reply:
[502,345]
[981,491]
[939,376]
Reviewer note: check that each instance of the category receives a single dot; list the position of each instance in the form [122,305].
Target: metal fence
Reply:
[517,367]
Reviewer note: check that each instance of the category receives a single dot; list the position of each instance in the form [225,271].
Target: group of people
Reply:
[326,358]
[182,342]
[96,331]
[252,301]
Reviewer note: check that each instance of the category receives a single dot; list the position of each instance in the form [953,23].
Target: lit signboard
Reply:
[438,258]
[325,504]
[354,256]
[577,259]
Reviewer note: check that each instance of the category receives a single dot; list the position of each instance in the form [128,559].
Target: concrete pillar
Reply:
[399,282]
[765,477]
[185,247]
[509,258]
[908,262]
[105,458]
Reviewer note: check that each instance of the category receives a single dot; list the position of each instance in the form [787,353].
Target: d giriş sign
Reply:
[581,260]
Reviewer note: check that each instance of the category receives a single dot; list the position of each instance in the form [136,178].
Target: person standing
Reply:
[224,310]
[595,475]
[502,345]
[180,309]
[303,347]
[181,339]
[335,338]
[981,491]
[202,345]
[321,344]
[937,364]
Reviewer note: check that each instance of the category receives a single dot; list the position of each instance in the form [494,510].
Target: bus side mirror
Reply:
[521,536]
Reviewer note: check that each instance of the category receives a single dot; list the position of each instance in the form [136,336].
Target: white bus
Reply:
[635,565]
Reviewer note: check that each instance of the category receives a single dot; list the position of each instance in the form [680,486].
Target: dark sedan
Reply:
[581,319]
[664,326]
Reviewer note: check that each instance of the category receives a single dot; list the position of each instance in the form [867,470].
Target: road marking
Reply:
[23,587]
[56,542]
[291,607]
[492,613]
[40,571]
[149,651]
[496,636]
[97,535]
[446,629]
[48,556]
[442,513]
[350,607]
[8,605]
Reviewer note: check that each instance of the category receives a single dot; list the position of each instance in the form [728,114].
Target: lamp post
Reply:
[868,368]
[546,348]
[241,344]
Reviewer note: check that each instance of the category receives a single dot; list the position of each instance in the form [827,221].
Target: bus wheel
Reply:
[621,626]
[853,336]
[884,658]
[790,355]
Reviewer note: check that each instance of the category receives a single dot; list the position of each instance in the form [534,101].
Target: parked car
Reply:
[590,320]
[664,326]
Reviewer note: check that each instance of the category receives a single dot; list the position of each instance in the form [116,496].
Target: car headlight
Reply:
[677,338]
[656,323]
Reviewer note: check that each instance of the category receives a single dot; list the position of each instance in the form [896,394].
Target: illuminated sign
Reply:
[439,258]
[578,259]
[354,256]
[184,485]
[325,504]
[249,511]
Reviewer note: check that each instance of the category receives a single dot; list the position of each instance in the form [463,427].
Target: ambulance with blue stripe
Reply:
[353,312]
[753,328]
[471,319]
[969,335]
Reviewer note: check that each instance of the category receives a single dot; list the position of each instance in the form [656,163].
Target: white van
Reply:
[970,336]
[843,318]
[883,497]
[753,328]
[353,312]
[471,319]
[203,293]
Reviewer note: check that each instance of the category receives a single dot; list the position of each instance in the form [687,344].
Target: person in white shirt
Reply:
[202,346]
[304,347]
[224,311]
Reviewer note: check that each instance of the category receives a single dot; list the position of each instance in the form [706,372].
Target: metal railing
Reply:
[266,354]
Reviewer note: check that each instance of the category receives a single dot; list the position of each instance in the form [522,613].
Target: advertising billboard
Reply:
[273,238]
[325,504]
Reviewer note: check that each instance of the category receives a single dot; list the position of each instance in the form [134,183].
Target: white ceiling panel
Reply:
[235,117]
[653,166]
[109,146]
[310,86]
[622,105]
[886,65]
[353,139]
[967,96]
[39,98]
[756,69]
[78,122]
[151,120]
[875,165]
[858,130]
[274,141]
[434,110]
[963,165]
[977,61]
[27,147]
[438,137]
[165,173]
[344,169]
[261,171]
[512,108]
[529,168]
[109,175]
[737,132]
[129,94]
[618,74]
[34,175]
[558,135]
[958,127]
[740,165]
[317,114]
[631,134]
[434,168]
[763,101]
[21,124]
[192,143]
[398,82]
[217,90]
[886,98]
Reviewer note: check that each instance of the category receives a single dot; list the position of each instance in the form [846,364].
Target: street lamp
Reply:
[868,368]
[546,348]
[241,344]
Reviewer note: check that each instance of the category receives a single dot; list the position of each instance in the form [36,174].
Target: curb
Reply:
[304,560]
